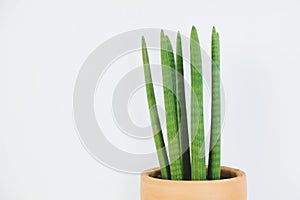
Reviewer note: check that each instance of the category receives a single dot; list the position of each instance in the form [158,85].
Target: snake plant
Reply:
[186,160]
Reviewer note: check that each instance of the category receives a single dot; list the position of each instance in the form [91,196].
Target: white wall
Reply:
[44,43]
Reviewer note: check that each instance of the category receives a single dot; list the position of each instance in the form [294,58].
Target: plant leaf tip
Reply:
[143,41]
[194,35]
[168,38]
[214,30]
[162,34]
[178,36]
[194,32]
[144,45]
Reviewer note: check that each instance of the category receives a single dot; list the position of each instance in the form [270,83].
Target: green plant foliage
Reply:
[156,127]
[187,160]
[181,112]
[197,121]
[214,170]
[169,82]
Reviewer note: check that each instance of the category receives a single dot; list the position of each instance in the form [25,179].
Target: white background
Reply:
[44,43]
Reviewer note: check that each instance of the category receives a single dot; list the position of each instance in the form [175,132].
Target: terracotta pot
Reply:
[232,186]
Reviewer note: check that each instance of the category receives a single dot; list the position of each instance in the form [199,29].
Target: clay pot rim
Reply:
[237,174]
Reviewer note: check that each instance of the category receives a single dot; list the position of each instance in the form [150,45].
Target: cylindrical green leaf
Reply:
[214,169]
[169,82]
[181,112]
[197,120]
[155,122]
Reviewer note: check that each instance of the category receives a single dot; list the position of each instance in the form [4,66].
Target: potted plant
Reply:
[183,173]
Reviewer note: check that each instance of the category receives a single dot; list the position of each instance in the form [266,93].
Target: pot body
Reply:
[233,186]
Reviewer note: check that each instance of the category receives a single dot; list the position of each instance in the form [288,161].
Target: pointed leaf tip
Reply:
[169,44]
[144,45]
[178,36]
[168,38]
[194,34]
[194,28]
[162,34]
[143,40]
[162,40]
[214,31]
